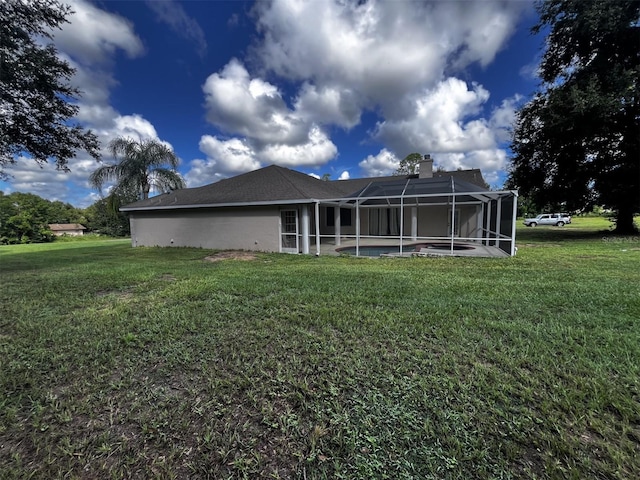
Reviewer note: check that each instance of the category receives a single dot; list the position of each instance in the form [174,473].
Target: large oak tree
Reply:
[577,142]
[37,101]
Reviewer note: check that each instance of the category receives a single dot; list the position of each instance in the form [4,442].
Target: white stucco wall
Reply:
[71,233]
[256,228]
[433,221]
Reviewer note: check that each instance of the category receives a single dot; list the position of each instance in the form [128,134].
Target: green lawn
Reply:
[154,363]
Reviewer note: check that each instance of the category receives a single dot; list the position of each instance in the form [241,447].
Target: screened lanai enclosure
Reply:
[432,216]
[274,209]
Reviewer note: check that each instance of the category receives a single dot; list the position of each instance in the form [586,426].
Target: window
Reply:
[345,217]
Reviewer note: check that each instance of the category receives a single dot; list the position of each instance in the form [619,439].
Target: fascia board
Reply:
[221,205]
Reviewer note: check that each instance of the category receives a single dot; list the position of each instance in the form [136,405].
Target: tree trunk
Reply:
[624,220]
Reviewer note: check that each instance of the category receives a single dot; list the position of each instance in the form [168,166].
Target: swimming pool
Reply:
[378,250]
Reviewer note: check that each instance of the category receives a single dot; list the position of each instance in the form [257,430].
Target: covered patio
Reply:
[422,217]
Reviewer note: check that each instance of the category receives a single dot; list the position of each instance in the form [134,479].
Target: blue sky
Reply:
[341,87]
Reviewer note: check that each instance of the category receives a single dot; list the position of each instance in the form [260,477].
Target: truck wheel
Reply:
[560,224]
[532,224]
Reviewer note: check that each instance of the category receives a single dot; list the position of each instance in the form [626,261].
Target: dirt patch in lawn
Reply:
[121,294]
[230,255]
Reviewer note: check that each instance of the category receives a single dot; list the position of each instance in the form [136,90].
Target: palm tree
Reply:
[140,166]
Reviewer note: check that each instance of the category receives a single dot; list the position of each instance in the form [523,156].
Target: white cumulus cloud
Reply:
[224,158]
[329,105]
[380,165]
[265,129]
[503,117]
[437,121]
[94,35]
[345,59]
[445,123]
[381,49]
[317,151]
[251,107]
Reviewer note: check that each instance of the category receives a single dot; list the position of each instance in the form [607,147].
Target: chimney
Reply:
[425,169]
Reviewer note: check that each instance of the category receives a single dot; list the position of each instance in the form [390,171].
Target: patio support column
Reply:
[453,219]
[336,223]
[487,230]
[357,228]
[402,213]
[414,223]
[317,228]
[305,229]
[498,226]
[401,221]
[513,224]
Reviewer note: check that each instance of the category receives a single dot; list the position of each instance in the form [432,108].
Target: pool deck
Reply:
[329,248]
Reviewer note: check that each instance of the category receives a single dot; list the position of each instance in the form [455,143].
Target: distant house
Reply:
[72,229]
[275,209]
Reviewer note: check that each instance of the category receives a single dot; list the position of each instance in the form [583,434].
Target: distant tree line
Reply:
[25,218]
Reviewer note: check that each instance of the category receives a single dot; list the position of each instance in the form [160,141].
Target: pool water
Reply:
[377,250]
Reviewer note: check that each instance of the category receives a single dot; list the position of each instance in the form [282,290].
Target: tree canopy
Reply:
[577,142]
[409,164]
[139,167]
[25,217]
[36,99]
[104,218]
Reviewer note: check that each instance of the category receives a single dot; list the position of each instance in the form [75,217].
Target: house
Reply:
[275,209]
[72,229]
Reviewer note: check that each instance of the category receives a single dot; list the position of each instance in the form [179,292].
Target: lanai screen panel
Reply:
[506,222]
[418,191]
[390,191]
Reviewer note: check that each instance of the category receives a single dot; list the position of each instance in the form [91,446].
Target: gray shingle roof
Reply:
[266,185]
[59,227]
[273,184]
[473,176]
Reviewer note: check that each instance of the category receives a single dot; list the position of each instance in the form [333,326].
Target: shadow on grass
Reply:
[561,234]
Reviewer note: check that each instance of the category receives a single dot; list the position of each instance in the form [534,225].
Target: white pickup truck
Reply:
[557,219]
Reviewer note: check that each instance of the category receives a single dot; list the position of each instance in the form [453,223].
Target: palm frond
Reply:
[164,180]
[139,166]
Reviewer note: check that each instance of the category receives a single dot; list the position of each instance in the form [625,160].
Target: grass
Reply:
[153,363]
